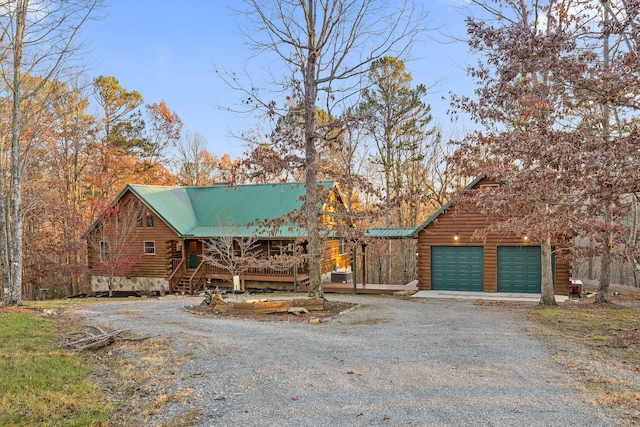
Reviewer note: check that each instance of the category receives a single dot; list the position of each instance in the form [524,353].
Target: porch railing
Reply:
[255,271]
[178,269]
[197,275]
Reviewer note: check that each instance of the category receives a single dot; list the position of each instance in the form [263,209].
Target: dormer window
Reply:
[488,186]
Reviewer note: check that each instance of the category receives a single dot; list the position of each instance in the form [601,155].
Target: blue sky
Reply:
[166,50]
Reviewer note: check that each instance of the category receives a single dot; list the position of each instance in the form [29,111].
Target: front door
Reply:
[192,254]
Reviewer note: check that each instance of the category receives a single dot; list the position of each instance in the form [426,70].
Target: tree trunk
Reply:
[607,241]
[311,161]
[13,218]
[547,295]
[633,237]
[605,259]
[387,222]
[590,274]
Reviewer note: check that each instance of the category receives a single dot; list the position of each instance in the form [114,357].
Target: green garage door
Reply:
[519,269]
[457,268]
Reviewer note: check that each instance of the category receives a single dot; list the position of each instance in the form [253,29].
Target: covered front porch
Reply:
[189,273]
[192,280]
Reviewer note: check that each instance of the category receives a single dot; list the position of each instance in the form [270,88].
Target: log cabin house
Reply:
[175,222]
[448,259]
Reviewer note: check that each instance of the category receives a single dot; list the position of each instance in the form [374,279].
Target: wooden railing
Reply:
[180,272]
[196,276]
[178,269]
[257,271]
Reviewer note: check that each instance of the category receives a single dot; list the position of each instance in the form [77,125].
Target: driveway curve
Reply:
[390,362]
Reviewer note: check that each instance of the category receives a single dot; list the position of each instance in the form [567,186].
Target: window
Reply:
[488,186]
[104,251]
[280,247]
[149,220]
[138,209]
[149,247]
[342,247]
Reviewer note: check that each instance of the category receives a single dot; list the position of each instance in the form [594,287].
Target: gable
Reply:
[171,204]
[481,181]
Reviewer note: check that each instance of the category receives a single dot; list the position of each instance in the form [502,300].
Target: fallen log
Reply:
[102,339]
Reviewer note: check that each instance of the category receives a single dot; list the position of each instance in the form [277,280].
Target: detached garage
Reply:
[449,259]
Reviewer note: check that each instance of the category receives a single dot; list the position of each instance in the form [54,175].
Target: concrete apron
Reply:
[488,296]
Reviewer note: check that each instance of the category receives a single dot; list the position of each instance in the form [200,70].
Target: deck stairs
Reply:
[182,286]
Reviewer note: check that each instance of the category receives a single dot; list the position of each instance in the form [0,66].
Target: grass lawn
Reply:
[41,384]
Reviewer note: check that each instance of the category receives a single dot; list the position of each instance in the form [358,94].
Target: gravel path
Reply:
[388,363]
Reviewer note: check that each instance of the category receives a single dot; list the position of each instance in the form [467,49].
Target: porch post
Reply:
[295,277]
[364,265]
[354,272]
[183,251]
[295,267]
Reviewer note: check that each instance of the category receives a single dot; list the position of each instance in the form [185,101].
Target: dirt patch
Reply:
[331,310]
[19,309]
[510,304]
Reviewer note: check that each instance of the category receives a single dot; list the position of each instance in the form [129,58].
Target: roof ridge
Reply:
[323,181]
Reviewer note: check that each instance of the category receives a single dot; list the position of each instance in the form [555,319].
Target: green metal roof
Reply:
[390,233]
[226,210]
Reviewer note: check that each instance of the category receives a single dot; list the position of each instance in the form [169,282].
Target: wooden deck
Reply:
[369,288]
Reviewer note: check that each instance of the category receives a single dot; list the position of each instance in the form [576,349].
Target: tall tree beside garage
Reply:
[520,105]
[397,120]
[39,42]
[321,48]
[541,96]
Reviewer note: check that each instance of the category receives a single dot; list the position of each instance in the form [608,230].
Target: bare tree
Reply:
[38,41]
[115,242]
[234,255]
[323,47]
[238,255]
[192,160]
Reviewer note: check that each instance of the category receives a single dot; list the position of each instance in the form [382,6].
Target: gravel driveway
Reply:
[390,362]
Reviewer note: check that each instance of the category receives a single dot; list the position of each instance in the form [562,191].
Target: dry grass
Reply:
[610,333]
[134,375]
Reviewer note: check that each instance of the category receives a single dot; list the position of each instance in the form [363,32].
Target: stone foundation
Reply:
[144,285]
